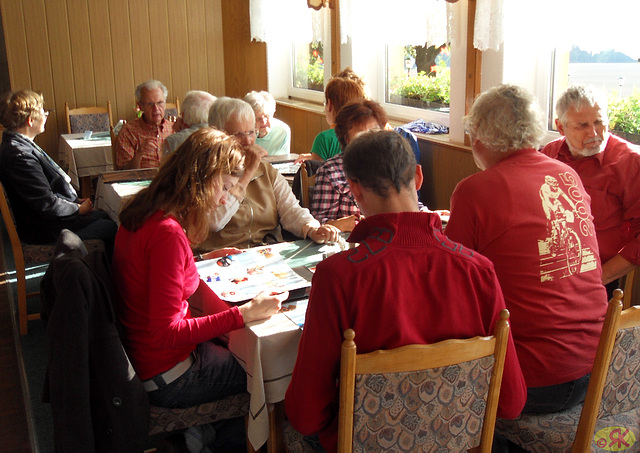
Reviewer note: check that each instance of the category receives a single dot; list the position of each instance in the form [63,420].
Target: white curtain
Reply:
[278,20]
[392,22]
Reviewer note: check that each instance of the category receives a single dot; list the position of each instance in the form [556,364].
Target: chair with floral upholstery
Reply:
[172,110]
[426,398]
[609,419]
[82,119]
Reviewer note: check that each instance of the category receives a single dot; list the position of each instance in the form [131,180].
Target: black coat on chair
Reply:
[97,400]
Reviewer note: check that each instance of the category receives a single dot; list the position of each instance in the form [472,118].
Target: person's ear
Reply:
[419,177]
[560,126]
[356,189]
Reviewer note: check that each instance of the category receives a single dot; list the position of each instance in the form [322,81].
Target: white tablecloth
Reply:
[82,158]
[267,350]
[110,196]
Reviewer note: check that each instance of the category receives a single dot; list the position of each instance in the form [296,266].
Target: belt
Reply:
[168,376]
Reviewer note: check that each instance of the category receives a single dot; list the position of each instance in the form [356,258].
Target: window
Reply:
[419,76]
[585,43]
[393,45]
[403,51]
[308,65]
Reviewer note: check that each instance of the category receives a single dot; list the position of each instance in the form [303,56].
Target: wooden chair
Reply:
[61,298]
[610,415]
[304,180]
[96,119]
[306,184]
[37,253]
[30,255]
[172,110]
[428,398]
[114,155]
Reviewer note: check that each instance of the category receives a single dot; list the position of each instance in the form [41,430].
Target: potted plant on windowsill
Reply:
[624,117]
[430,91]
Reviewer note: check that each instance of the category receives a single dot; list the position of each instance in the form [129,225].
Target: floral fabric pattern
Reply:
[618,425]
[432,410]
[96,122]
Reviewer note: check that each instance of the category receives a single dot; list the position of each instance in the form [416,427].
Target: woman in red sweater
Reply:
[155,274]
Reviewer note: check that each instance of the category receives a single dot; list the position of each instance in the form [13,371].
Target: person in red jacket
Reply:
[405,283]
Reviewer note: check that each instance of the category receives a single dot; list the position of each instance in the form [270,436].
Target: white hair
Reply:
[151,85]
[196,106]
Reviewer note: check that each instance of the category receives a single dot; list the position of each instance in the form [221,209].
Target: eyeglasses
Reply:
[154,104]
[261,118]
[241,135]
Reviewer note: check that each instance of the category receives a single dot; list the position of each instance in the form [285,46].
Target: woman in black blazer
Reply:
[41,196]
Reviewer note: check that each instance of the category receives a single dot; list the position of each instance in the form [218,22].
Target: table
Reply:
[267,350]
[85,158]
[114,187]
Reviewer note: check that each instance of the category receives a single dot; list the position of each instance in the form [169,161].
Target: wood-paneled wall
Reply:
[86,52]
[245,61]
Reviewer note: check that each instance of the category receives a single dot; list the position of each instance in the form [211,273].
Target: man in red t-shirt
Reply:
[529,214]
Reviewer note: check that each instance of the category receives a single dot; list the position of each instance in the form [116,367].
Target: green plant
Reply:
[624,114]
[432,87]
[310,71]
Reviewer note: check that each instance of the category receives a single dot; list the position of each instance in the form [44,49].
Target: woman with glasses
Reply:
[262,204]
[40,192]
[273,135]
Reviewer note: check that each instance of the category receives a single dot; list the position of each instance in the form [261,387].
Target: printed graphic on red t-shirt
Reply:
[562,253]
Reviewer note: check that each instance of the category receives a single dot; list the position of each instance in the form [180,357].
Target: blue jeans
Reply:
[556,398]
[548,399]
[214,374]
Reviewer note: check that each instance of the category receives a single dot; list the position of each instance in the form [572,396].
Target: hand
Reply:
[325,233]
[302,157]
[253,154]
[148,145]
[219,253]
[85,207]
[263,306]
[346,224]
[178,125]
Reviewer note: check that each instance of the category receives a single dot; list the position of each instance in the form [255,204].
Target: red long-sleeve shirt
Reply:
[406,283]
[154,274]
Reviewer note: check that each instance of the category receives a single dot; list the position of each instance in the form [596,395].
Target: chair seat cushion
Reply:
[36,253]
[165,420]
[555,432]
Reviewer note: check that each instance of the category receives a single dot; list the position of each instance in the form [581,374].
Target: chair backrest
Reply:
[306,186]
[172,110]
[18,258]
[629,287]
[614,386]
[114,155]
[96,119]
[463,377]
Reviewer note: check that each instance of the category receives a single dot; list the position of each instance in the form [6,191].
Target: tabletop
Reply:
[267,349]
[85,157]
[110,196]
